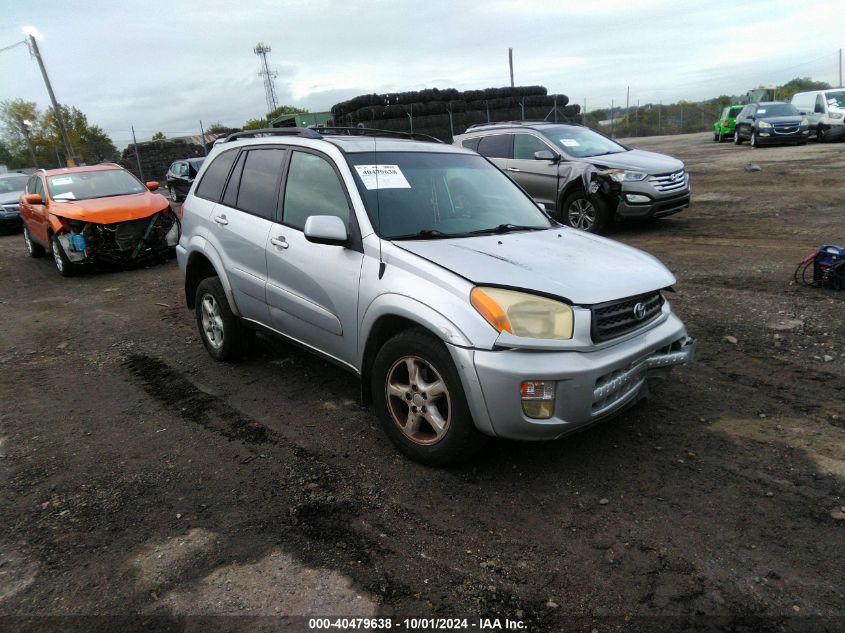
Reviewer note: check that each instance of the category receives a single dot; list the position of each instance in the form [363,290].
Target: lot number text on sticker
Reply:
[382,177]
[569,142]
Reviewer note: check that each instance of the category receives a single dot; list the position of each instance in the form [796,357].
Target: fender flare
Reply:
[201,246]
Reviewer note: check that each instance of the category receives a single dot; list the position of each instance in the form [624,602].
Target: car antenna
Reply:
[381,265]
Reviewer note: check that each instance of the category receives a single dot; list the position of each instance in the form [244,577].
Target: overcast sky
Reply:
[165,65]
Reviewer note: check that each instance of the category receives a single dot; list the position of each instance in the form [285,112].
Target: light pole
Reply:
[24,125]
[32,35]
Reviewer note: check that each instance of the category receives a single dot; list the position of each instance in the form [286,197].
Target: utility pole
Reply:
[510,63]
[137,154]
[627,99]
[659,109]
[612,119]
[202,136]
[840,67]
[33,48]
[269,76]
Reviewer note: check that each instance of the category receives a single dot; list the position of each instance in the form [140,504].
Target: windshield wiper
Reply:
[425,234]
[507,228]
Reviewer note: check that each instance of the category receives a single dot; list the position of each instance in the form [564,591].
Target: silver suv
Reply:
[462,307]
[548,161]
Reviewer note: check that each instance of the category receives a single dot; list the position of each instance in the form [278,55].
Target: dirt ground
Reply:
[141,478]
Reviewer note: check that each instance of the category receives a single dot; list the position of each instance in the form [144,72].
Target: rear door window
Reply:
[214,179]
[230,197]
[259,185]
[496,146]
[471,143]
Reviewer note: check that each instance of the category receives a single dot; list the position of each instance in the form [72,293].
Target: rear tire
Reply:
[65,267]
[32,248]
[585,213]
[224,336]
[420,401]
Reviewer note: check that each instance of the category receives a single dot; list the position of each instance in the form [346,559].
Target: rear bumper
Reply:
[589,386]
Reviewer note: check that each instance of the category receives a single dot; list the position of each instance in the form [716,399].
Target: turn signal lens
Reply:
[538,398]
[490,310]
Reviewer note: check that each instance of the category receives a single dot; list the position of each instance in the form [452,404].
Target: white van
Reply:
[825,110]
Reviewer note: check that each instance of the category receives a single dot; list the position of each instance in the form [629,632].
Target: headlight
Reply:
[622,176]
[834,115]
[764,124]
[523,314]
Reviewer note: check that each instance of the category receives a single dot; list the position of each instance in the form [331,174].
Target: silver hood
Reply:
[650,162]
[581,268]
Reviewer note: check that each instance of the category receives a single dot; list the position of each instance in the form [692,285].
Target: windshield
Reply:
[581,142]
[93,184]
[835,98]
[431,195]
[776,109]
[13,183]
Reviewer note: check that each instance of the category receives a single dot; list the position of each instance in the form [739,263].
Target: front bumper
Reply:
[656,208]
[590,386]
[10,215]
[770,137]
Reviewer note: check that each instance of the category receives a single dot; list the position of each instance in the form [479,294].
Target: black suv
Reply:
[770,123]
[180,176]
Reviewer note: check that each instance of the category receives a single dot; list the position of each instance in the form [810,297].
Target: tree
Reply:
[159,136]
[256,124]
[90,143]
[799,84]
[219,128]
[284,109]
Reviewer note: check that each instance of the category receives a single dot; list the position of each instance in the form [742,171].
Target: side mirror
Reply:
[34,198]
[326,229]
[545,154]
[541,206]
[152,185]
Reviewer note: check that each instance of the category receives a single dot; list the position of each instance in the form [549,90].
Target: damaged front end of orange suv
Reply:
[98,214]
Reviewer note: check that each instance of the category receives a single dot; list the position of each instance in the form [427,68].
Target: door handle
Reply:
[512,169]
[221,219]
[280,241]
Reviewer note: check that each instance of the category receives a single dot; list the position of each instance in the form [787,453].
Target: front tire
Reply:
[583,212]
[65,267]
[821,137]
[224,336]
[172,194]
[755,141]
[737,137]
[33,249]
[420,401]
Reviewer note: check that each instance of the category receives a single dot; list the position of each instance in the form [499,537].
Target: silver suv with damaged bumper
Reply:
[421,268]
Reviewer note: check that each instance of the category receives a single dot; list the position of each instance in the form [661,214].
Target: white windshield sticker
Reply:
[382,177]
[761,111]
[831,102]
[569,142]
[61,180]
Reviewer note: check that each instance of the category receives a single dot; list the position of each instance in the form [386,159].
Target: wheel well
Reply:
[568,189]
[383,330]
[198,268]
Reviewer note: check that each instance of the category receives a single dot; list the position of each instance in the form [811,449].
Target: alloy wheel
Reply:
[27,240]
[57,256]
[582,214]
[212,322]
[418,400]
[173,195]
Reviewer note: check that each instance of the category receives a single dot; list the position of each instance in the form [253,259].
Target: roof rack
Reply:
[303,132]
[522,122]
[367,131]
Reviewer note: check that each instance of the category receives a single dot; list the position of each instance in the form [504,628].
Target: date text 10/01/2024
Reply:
[417,624]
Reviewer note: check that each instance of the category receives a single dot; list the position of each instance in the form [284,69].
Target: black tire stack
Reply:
[430,109]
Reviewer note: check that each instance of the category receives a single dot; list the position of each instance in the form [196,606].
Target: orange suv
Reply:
[93,214]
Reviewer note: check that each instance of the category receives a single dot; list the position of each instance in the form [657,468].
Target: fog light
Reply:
[538,398]
[636,198]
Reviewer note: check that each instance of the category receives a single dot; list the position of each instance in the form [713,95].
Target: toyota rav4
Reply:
[464,309]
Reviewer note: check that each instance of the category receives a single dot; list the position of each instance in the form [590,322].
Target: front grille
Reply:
[785,128]
[127,234]
[669,182]
[617,318]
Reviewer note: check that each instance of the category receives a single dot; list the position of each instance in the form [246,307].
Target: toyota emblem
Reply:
[639,311]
